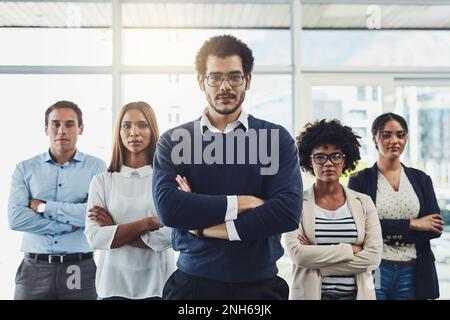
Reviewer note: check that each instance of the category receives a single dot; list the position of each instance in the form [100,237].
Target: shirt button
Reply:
[50,217]
[67,221]
[62,167]
[56,242]
[59,184]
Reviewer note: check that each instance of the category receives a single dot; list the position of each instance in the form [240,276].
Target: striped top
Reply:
[334,227]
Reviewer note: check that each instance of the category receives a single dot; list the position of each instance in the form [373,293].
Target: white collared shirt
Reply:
[204,122]
[232,203]
[128,271]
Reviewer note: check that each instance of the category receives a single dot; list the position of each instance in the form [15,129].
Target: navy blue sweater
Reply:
[397,230]
[254,258]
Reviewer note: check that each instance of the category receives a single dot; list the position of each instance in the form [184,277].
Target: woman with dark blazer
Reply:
[409,215]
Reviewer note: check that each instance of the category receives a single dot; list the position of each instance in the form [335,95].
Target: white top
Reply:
[127,271]
[401,204]
[334,227]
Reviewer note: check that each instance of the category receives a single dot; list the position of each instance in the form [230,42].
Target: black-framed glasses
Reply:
[216,79]
[386,135]
[322,158]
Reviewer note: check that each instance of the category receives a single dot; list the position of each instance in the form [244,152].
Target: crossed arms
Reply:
[340,259]
[57,219]
[279,213]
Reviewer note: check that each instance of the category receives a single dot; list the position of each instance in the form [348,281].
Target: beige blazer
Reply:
[312,262]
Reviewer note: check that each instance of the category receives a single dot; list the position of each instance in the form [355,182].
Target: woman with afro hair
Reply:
[338,243]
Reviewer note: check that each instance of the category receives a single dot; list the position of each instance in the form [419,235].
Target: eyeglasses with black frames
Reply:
[322,158]
[216,79]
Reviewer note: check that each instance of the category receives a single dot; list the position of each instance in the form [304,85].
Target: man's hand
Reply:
[34,203]
[218,232]
[244,202]
[101,216]
[432,222]
[183,184]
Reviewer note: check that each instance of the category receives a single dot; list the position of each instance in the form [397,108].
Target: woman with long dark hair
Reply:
[121,222]
[409,215]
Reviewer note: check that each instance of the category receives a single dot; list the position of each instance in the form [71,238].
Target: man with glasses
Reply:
[48,203]
[228,214]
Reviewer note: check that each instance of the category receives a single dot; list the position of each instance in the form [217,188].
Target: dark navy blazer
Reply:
[397,231]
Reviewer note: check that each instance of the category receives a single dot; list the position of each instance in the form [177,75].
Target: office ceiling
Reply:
[218,14]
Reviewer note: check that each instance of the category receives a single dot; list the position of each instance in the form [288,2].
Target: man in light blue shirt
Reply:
[48,203]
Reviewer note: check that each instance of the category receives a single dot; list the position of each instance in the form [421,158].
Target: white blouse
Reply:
[127,271]
[401,204]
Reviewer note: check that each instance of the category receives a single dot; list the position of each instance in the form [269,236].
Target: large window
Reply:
[56,33]
[427,110]
[56,47]
[179,47]
[355,106]
[405,48]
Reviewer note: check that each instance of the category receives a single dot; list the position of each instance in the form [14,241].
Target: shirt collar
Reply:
[205,124]
[79,156]
[133,172]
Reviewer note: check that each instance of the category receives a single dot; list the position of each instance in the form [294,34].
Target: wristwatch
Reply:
[41,207]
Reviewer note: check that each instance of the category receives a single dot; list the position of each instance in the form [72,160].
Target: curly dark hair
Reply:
[330,132]
[224,46]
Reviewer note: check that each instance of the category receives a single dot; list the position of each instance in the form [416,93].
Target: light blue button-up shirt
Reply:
[59,230]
